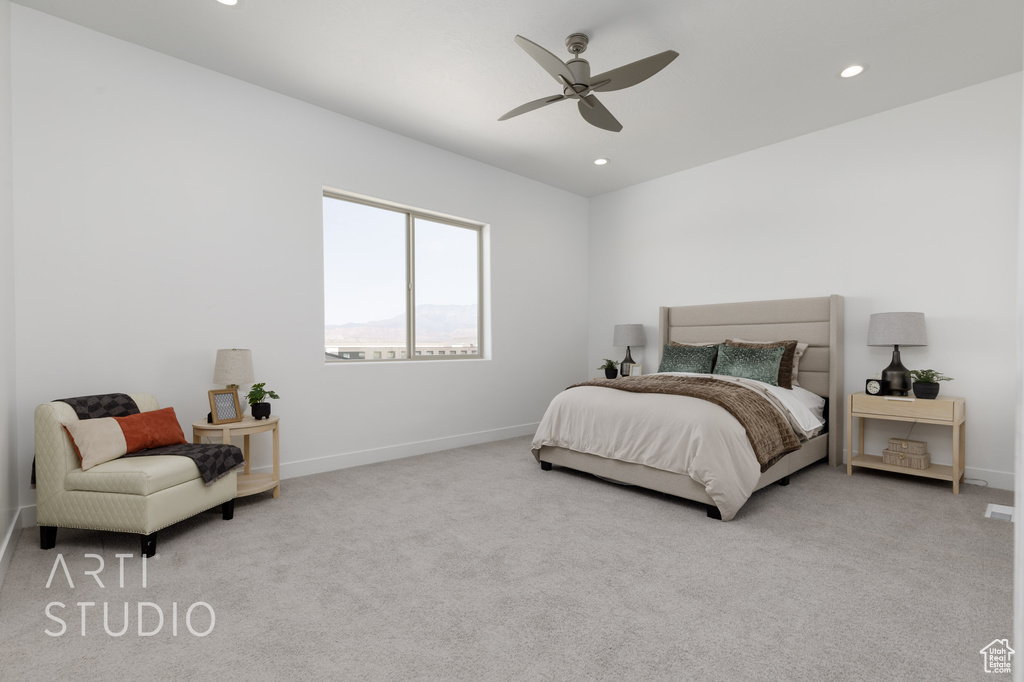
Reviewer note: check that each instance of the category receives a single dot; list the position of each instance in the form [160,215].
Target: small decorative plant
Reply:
[928,376]
[609,364]
[259,394]
[926,382]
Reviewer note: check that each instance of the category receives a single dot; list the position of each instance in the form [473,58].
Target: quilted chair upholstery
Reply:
[128,495]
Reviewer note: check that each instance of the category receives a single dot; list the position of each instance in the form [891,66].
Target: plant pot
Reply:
[260,410]
[926,390]
[611,373]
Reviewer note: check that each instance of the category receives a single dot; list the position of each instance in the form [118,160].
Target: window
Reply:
[399,283]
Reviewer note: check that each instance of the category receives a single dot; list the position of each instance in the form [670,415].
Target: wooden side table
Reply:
[942,410]
[248,483]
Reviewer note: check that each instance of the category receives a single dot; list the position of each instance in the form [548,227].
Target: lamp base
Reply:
[897,375]
[626,363]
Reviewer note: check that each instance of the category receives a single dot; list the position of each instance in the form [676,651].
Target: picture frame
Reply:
[636,369]
[224,406]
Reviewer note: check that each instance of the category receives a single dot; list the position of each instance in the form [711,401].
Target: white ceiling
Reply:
[750,72]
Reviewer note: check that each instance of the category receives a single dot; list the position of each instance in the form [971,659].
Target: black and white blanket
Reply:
[214,460]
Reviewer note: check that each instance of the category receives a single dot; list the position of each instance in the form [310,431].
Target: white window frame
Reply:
[410,354]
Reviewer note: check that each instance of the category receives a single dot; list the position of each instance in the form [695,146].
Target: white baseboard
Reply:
[10,541]
[345,460]
[1001,480]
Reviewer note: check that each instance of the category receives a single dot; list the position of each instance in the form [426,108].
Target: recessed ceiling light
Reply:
[851,71]
[600,162]
[229,3]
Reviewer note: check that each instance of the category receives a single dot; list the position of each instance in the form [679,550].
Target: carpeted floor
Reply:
[473,564]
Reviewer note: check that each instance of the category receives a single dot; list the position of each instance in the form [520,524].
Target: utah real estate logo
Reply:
[998,656]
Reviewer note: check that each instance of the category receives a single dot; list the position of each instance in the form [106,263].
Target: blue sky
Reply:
[364,263]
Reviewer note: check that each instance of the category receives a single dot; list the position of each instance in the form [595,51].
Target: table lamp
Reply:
[897,329]
[628,335]
[233,367]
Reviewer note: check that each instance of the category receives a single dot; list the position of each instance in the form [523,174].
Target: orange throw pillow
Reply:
[151,429]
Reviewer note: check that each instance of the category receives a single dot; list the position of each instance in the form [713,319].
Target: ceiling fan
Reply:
[577,83]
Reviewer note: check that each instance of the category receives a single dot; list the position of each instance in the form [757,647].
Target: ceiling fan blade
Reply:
[549,62]
[636,72]
[595,114]
[530,106]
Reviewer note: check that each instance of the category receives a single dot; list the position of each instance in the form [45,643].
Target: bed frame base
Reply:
[679,485]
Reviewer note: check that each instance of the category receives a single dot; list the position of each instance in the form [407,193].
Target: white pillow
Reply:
[800,348]
[807,408]
[702,345]
[97,440]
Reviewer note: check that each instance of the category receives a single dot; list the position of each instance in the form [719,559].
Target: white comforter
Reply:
[675,433]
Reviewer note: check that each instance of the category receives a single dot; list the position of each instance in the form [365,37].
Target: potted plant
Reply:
[926,382]
[611,370]
[257,398]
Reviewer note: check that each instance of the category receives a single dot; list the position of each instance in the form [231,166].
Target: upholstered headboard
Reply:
[815,321]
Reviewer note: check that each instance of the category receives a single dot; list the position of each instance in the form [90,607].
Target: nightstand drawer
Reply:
[940,409]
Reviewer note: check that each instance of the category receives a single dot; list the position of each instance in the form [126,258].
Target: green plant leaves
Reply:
[258,394]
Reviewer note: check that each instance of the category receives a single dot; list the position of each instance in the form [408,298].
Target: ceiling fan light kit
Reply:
[577,83]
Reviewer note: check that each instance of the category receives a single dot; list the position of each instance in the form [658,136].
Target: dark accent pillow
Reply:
[712,344]
[785,378]
[760,364]
[698,359]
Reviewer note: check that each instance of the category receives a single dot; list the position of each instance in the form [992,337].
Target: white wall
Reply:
[1018,530]
[912,209]
[8,424]
[163,211]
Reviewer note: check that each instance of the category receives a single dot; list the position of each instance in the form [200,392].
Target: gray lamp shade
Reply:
[629,335]
[234,366]
[897,329]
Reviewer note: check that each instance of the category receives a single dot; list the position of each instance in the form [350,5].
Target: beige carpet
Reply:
[473,564]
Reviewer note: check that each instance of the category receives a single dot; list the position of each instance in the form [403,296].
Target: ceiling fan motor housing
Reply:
[580,70]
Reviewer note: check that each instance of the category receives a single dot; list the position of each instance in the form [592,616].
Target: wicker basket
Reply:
[908,447]
[903,459]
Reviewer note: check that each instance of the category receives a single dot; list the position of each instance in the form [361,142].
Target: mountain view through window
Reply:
[383,263]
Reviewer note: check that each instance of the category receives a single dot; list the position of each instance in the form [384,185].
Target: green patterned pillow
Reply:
[697,359]
[760,364]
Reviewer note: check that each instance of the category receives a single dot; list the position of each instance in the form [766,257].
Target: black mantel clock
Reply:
[876,387]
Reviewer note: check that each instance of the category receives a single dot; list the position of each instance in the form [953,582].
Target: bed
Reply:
[817,322]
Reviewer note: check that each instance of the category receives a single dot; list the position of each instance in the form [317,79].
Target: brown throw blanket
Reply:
[769,433]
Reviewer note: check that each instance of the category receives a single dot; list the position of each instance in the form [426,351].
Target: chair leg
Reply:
[227,510]
[47,537]
[148,545]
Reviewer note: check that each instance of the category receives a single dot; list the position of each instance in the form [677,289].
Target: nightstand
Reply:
[942,411]
[248,483]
